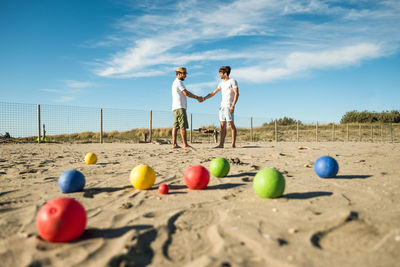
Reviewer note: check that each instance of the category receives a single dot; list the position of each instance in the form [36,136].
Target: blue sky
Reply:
[309,60]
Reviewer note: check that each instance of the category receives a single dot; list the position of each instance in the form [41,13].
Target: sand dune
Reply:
[350,220]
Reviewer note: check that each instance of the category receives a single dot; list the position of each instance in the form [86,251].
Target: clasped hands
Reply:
[200,99]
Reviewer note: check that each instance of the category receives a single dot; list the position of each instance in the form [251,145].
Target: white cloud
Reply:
[78,84]
[344,56]
[278,39]
[298,62]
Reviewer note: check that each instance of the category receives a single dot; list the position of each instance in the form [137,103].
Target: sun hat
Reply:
[181,70]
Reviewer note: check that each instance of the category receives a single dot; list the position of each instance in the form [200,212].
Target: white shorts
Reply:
[225,114]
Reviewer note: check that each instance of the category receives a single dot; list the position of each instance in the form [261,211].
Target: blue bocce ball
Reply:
[71,181]
[326,167]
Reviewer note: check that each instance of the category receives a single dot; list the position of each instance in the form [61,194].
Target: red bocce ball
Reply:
[61,220]
[163,189]
[197,177]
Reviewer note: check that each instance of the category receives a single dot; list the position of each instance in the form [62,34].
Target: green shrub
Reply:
[283,121]
[371,117]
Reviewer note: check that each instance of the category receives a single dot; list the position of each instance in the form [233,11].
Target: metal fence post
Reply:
[101,126]
[372,133]
[391,132]
[191,128]
[38,118]
[151,126]
[251,129]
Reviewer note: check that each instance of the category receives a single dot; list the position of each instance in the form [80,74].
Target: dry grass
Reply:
[326,133]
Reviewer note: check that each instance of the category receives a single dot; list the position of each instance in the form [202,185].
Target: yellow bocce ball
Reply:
[90,158]
[142,177]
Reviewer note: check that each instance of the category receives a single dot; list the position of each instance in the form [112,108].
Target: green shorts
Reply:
[180,118]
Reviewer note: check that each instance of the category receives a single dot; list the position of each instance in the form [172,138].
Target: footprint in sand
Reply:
[187,235]
[229,196]
[352,235]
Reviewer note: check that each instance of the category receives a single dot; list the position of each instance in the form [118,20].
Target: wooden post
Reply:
[316,132]
[391,132]
[38,117]
[347,129]
[251,129]
[151,126]
[216,136]
[297,131]
[372,133]
[333,132]
[276,131]
[359,131]
[101,126]
[191,128]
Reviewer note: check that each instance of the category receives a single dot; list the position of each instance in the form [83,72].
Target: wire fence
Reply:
[58,123]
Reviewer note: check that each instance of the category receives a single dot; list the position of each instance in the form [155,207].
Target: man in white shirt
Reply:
[179,106]
[230,94]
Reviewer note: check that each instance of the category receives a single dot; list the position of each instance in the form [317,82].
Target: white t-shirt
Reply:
[178,98]
[227,92]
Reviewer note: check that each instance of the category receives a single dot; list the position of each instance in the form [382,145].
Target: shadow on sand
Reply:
[355,176]
[224,186]
[109,233]
[90,192]
[307,195]
[252,174]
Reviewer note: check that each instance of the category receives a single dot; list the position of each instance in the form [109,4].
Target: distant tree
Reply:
[283,121]
[371,117]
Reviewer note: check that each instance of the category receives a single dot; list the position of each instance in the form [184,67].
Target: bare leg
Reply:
[184,140]
[174,141]
[223,134]
[234,132]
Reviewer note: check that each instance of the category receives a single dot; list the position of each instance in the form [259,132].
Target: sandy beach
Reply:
[350,220]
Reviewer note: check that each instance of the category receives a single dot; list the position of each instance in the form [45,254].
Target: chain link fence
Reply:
[58,123]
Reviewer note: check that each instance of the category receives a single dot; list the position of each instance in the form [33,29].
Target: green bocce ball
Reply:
[219,167]
[269,183]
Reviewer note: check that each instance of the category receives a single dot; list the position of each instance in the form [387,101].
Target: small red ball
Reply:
[61,220]
[197,177]
[163,188]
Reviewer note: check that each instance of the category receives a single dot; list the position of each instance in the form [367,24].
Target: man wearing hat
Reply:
[179,106]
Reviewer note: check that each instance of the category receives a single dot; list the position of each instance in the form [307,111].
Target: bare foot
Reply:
[233,146]
[219,146]
[176,146]
[187,147]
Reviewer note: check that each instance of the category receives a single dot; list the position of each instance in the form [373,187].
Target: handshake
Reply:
[200,98]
